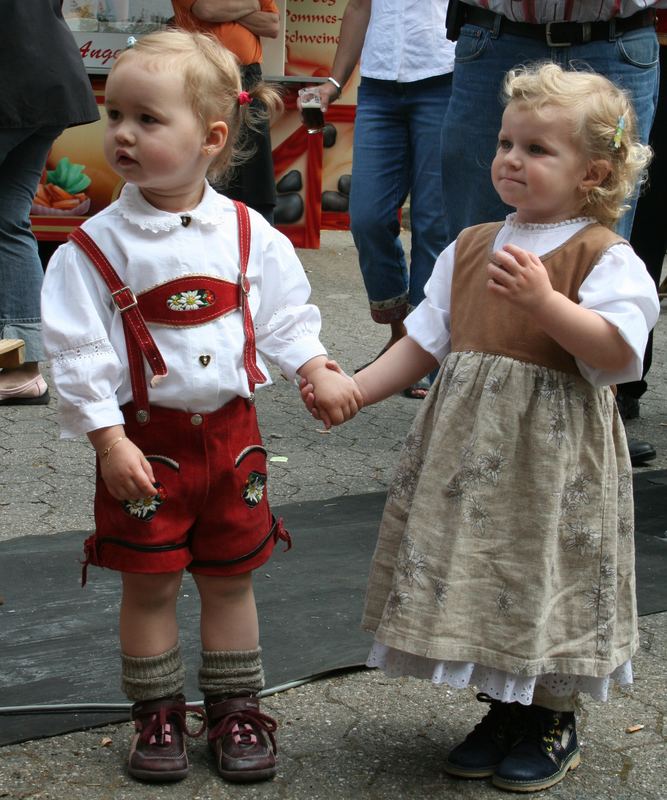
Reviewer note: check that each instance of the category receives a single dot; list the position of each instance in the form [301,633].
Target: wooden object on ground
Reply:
[12,353]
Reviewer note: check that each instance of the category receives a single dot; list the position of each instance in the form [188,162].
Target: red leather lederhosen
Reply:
[210,513]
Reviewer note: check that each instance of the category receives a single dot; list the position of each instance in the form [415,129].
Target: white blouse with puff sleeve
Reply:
[618,288]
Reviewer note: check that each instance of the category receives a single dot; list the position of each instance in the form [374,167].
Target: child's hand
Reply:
[126,473]
[520,277]
[330,395]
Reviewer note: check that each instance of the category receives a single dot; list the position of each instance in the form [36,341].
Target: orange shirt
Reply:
[243,43]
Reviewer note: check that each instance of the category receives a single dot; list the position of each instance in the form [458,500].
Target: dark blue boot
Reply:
[484,748]
[545,754]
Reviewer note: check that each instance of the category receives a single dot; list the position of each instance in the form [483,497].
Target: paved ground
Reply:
[358,735]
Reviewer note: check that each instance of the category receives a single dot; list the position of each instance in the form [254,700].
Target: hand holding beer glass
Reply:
[310,104]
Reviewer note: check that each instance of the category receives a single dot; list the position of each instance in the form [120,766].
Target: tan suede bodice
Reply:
[483,322]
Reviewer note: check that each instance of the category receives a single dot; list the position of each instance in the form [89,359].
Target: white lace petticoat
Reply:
[497,684]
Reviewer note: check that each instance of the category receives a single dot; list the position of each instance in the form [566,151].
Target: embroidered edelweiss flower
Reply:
[411,565]
[580,537]
[476,515]
[546,386]
[576,491]
[607,571]
[557,427]
[253,490]
[458,381]
[190,300]
[145,507]
[625,485]
[626,528]
[456,488]
[491,465]
[396,603]
[413,441]
[440,591]
[404,481]
[504,602]
[601,598]
[472,473]
[493,386]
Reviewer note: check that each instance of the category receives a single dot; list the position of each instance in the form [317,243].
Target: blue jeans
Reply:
[473,120]
[23,153]
[396,153]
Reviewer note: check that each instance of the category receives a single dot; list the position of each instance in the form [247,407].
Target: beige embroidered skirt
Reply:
[507,537]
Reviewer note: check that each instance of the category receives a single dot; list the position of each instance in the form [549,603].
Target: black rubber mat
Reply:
[59,642]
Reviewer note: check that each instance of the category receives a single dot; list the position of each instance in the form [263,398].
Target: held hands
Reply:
[125,471]
[330,395]
[521,278]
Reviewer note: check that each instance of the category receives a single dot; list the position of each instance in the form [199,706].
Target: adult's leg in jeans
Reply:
[22,157]
[475,111]
[380,180]
[472,122]
[630,62]
[427,108]
[649,232]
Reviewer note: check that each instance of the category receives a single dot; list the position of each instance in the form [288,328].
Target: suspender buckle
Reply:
[118,299]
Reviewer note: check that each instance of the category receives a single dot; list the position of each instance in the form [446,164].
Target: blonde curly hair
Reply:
[603,123]
[212,83]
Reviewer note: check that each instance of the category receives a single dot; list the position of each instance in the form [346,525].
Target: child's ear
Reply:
[596,173]
[216,138]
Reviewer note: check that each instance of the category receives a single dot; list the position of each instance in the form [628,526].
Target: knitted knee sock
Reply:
[153,677]
[541,697]
[230,673]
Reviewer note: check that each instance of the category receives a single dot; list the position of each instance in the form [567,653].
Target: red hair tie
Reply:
[244,98]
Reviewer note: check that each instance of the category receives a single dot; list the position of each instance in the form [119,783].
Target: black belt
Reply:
[560,34]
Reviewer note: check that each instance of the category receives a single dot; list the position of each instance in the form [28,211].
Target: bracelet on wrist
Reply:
[106,453]
[336,84]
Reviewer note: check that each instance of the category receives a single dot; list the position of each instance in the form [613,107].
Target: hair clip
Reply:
[618,132]
[131,41]
[244,98]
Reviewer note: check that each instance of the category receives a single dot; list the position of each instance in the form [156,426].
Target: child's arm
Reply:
[399,367]
[402,365]
[125,471]
[338,396]
[520,278]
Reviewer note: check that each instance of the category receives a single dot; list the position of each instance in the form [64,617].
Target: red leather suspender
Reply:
[255,375]
[137,336]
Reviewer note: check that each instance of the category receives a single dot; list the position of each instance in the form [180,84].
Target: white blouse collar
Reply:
[133,207]
[511,222]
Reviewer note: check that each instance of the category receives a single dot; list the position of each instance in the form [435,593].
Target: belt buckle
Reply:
[133,299]
[586,32]
[550,41]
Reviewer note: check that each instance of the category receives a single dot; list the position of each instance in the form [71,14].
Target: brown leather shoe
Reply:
[242,739]
[157,752]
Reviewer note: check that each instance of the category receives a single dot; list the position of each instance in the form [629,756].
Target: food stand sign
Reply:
[312,171]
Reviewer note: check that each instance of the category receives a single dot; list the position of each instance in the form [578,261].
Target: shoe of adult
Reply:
[640,452]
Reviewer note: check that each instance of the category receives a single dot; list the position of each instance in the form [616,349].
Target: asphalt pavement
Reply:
[347,736]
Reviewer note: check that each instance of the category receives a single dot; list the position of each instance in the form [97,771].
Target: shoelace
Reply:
[158,730]
[244,726]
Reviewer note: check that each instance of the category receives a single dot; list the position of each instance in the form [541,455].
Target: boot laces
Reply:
[156,728]
[244,727]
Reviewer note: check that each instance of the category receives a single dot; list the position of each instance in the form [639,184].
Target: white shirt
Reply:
[83,332]
[618,288]
[406,41]
[541,11]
